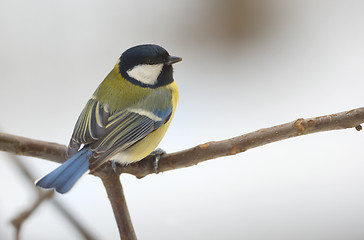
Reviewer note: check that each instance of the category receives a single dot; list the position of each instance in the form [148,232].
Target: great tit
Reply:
[125,119]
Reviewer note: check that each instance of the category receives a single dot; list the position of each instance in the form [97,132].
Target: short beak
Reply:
[172,59]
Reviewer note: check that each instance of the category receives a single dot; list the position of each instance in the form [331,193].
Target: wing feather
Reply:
[89,126]
[109,133]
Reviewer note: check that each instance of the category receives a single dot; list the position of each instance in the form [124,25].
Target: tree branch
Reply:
[116,196]
[193,156]
[185,158]
[32,148]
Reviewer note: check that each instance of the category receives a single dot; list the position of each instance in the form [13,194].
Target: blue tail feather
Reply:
[63,178]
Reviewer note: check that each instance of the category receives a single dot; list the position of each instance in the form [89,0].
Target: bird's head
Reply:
[147,65]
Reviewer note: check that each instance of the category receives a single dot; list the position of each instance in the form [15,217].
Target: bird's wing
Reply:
[89,127]
[121,129]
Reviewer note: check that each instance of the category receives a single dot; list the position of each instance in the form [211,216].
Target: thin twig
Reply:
[43,195]
[18,221]
[74,222]
[116,196]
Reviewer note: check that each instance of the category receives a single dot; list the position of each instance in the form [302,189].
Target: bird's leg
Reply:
[157,154]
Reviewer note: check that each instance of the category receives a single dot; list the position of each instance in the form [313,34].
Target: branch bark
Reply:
[32,148]
[116,196]
[192,156]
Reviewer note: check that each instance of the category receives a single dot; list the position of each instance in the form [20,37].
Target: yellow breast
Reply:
[148,144]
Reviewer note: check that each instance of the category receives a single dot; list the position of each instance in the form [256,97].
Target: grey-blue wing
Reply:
[126,130]
[108,133]
[89,127]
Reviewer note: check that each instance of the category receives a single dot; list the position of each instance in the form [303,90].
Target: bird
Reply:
[125,119]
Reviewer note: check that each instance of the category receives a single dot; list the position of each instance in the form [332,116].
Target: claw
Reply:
[157,157]
[113,165]
[157,153]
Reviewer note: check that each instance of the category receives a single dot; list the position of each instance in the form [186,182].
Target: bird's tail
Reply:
[63,178]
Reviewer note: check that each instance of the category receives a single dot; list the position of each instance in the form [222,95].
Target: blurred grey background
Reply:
[247,65]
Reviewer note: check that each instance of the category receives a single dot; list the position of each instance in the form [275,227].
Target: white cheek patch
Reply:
[146,73]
